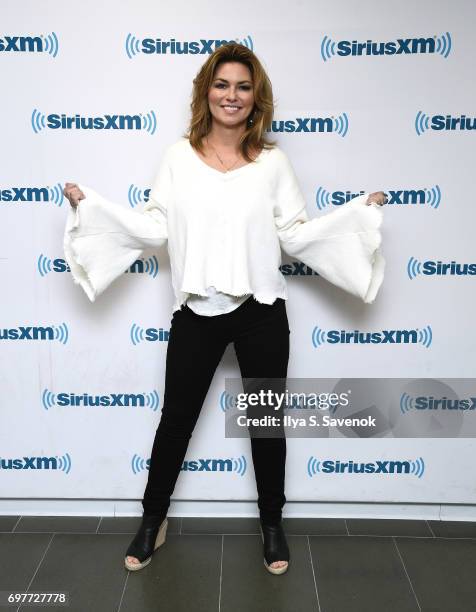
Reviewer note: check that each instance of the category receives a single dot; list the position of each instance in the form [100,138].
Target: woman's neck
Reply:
[224,137]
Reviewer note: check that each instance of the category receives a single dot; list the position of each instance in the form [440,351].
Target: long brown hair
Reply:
[254,137]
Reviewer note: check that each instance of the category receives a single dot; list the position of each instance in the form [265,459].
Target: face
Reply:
[231,97]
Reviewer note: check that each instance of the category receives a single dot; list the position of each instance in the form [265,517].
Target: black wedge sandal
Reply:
[275,547]
[150,536]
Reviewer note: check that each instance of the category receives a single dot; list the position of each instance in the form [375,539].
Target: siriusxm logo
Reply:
[339,124]
[227,401]
[62,463]
[146,122]
[53,332]
[150,334]
[297,268]
[439,268]
[136,196]
[440,45]
[31,44]
[430,197]
[33,194]
[386,336]
[232,464]
[237,465]
[45,265]
[423,402]
[415,467]
[149,400]
[439,123]
[157,46]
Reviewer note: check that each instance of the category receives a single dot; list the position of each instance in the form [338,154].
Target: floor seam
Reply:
[38,567]
[294,535]
[431,530]
[406,573]
[313,574]
[221,573]
[15,525]
[123,591]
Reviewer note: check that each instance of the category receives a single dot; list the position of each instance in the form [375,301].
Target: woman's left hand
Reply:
[379,197]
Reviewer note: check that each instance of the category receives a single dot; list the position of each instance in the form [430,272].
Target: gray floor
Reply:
[337,565]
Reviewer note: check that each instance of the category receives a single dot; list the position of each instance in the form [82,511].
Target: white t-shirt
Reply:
[225,230]
[215,303]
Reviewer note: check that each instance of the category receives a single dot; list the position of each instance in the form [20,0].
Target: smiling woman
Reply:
[233,96]
[225,199]
[232,104]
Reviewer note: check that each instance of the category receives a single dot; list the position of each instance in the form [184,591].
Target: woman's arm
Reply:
[342,246]
[102,238]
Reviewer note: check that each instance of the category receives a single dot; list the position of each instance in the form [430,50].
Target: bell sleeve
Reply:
[102,238]
[342,246]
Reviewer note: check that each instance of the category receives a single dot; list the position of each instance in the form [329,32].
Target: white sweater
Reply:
[225,230]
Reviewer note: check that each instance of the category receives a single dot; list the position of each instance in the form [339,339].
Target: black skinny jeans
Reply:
[260,334]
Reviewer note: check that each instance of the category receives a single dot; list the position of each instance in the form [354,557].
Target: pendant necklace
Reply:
[221,161]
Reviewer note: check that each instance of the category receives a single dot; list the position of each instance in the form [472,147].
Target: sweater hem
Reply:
[203,293]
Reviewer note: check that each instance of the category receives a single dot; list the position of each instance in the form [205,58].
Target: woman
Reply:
[226,199]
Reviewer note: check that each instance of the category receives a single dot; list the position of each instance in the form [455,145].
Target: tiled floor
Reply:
[207,565]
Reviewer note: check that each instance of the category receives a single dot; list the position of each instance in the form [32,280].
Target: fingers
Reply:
[73,193]
[379,197]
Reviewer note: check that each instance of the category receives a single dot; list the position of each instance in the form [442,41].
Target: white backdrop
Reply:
[383,135]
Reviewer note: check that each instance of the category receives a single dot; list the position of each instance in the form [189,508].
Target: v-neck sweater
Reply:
[225,230]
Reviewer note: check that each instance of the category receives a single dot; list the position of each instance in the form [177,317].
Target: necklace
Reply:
[221,161]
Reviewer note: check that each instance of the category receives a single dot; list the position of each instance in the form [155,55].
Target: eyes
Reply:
[243,87]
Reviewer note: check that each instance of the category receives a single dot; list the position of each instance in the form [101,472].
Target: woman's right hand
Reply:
[73,193]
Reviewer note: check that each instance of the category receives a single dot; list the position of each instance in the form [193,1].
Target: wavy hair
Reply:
[260,118]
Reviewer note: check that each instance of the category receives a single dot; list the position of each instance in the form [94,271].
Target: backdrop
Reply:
[369,97]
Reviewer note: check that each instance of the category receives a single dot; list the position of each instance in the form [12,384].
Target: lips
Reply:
[231,106]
